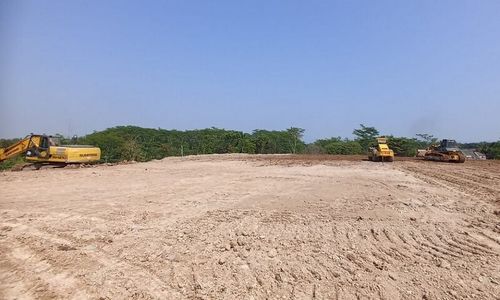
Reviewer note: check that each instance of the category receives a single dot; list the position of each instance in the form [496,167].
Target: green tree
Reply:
[295,135]
[267,142]
[491,150]
[337,146]
[132,150]
[403,146]
[428,139]
[365,136]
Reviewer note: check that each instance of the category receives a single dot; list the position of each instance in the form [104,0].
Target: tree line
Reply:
[143,144]
[135,143]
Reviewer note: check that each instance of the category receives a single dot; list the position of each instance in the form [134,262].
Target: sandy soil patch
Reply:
[252,227]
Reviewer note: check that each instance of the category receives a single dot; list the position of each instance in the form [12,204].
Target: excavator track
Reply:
[36,166]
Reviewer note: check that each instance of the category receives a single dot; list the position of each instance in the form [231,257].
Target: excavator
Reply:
[381,152]
[446,150]
[41,150]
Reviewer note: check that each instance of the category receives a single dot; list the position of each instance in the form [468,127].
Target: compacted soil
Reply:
[252,227]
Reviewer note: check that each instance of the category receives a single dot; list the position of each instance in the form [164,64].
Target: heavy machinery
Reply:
[381,152]
[447,151]
[40,150]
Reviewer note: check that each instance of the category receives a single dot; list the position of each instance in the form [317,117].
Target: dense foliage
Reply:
[142,144]
[365,138]
[403,146]
[9,163]
[492,150]
[7,142]
[134,143]
[335,146]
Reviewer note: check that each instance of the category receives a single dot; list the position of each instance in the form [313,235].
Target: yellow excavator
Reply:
[381,152]
[41,150]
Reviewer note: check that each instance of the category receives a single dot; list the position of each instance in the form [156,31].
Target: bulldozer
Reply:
[42,150]
[381,152]
[446,150]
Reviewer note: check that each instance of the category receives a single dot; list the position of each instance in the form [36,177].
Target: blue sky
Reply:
[405,67]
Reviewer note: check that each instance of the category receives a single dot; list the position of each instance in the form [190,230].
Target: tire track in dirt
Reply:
[144,281]
[369,252]
[477,233]
[469,182]
[35,277]
[470,245]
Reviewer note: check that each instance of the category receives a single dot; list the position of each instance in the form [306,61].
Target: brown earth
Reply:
[252,227]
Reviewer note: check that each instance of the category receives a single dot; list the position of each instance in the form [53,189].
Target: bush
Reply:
[337,146]
[492,150]
[404,146]
[11,162]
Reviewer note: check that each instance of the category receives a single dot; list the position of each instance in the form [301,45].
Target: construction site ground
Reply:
[252,227]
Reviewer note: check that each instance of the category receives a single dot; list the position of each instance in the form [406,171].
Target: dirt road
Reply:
[252,227]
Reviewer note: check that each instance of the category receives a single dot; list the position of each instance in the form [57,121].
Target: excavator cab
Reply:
[448,145]
[39,146]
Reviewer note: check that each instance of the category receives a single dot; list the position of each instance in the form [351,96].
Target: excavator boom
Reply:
[19,148]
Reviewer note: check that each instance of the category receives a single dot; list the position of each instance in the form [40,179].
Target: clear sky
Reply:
[405,67]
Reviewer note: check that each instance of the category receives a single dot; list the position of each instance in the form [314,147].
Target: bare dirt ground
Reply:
[252,227]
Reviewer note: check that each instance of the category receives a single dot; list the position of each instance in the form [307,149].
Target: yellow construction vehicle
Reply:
[446,151]
[381,152]
[40,150]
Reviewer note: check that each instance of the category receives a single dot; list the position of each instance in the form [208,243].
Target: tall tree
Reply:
[427,138]
[295,135]
[365,135]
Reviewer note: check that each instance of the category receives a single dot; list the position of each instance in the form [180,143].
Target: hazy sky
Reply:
[405,67]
